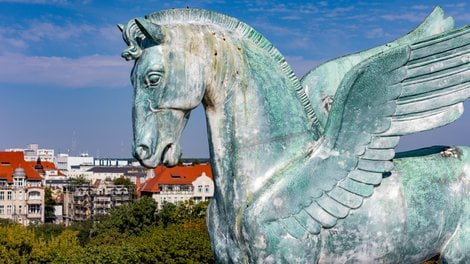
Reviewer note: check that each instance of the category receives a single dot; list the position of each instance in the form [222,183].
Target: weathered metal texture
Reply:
[298,182]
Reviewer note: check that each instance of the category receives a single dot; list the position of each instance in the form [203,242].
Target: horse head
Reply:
[166,89]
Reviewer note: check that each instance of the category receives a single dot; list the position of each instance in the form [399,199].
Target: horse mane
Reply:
[199,16]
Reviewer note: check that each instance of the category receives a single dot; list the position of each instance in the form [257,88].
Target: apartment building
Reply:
[85,202]
[21,190]
[179,183]
[133,173]
[67,163]
[32,152]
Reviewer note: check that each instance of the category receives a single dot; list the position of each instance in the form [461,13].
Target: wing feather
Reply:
[310,224]
[359,188]
[346,198]
[405,89]
[320,215]
[367,177]
[331,206]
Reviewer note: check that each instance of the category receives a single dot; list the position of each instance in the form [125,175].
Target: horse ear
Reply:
[151,31]
[121,27]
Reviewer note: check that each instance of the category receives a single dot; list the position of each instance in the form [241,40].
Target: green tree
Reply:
[130,234]
[129,219]
[49,203]
[79,180]
[130,186]
[84,231]
[47,231]
[65,248]
[168,214]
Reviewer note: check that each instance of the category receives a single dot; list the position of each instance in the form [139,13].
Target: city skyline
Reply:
[64,86]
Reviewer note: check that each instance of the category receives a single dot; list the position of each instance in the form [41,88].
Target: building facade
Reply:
[67,163]
[178,184]
[32,152]
[133,173]
[85,202]
[21,190]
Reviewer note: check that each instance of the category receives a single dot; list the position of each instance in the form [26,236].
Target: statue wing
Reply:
[405,90]
[321,91]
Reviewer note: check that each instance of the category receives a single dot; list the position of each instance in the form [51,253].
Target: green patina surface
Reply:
[305,171]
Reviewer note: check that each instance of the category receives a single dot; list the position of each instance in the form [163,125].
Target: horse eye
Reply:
[153,79]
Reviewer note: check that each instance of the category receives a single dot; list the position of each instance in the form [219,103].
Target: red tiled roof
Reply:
[9,161]
[47,165]
[6,172]
[175,175]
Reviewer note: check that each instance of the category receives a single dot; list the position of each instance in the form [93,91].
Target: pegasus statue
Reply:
[305,169]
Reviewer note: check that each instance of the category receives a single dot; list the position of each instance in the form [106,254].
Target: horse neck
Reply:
[256,122]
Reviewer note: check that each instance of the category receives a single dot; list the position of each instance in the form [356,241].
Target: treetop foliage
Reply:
[135,233]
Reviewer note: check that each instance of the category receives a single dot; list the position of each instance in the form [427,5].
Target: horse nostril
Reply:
[142,152]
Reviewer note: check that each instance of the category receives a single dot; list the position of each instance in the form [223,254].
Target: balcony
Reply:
[34,201]
[34,215]
[176,192]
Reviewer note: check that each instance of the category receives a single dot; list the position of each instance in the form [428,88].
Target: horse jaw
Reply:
[171,155]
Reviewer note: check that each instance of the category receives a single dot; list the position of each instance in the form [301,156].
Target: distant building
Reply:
[21,189]
[48,170]
[114,162]
[85,202]
[178,184]
[68,164]
[32,152]
[133,173]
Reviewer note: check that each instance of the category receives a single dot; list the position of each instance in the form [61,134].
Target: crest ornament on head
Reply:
[139,34]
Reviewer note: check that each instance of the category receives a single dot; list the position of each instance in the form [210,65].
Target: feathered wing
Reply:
[321,90]
[405,90]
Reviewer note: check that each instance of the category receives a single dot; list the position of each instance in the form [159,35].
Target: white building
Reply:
[21,190]
[178,184]
[133,173]
[32,152]
[67,163]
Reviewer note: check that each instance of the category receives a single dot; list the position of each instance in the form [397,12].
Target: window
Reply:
[34,195]
[206,187]
[34,209]
[19,209]
[2,195]
[2,209]
[8,209]
[18,182]
[199,188]
[9,195]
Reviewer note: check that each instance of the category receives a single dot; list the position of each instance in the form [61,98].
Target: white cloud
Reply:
[90,71]
[44,30]
[291,17]
[420,7]
[10,43]
[409,16]
[301,66]
[458,5]
[277,30]
[376,33]
[35,1]
[286,8]
[338,11]
[462,18]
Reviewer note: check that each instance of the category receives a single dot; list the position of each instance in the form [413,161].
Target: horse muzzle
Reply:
[156,138]
[166,154]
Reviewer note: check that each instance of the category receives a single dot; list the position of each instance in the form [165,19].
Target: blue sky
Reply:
[63,84]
